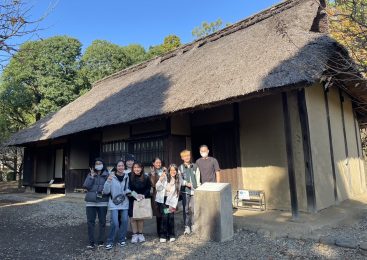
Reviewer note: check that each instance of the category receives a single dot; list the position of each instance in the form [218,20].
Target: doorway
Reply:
[221,140]
[59,166]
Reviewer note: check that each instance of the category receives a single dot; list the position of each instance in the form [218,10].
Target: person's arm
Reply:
[107,187]
[130,185]
[182,181]
[159,185]
[197,176]
[89,181]
[127,191]
[147,188]
[217,175]
[217,170]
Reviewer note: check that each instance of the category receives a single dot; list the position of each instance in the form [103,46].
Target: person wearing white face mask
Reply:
[208,166]
[96,202]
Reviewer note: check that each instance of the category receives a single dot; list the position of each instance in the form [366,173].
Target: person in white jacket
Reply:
[117,186]
[168,191]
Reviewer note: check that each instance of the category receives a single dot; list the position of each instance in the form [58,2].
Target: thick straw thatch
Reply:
[274,48]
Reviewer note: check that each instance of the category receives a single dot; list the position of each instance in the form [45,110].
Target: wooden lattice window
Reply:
[143,150]
[146,150]
[114,151]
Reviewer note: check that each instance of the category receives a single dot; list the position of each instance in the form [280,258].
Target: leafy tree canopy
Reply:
[207,28]
[103,58]
[41,78]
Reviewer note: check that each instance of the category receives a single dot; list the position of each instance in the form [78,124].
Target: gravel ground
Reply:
[245,245]
[10,187]
[355,233]
[56,229]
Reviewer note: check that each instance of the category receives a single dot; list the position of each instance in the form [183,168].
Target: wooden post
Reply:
[289,148]
[237,139]
[326,91]
[310,185]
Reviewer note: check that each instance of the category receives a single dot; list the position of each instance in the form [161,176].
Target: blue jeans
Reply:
[188,209]
[92,213]
[115,229]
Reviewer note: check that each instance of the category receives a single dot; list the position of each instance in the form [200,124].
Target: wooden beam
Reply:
[331,146]
[343,121]
[237,140]
[309,176]
[289,149]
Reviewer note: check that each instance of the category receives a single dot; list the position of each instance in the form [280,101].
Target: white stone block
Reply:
[213,211]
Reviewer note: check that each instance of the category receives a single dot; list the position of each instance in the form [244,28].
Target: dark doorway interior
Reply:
[94,151]
[221,140]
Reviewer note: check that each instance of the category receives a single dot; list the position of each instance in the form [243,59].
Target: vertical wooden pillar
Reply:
[309,176]
[237,140]
[343,121]
[326,91]
[289,149]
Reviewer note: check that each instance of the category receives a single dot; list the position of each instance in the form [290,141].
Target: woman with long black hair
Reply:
[140,185]
[156,171]
[168,191]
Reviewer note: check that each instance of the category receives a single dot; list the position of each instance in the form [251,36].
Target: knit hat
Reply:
[129,157]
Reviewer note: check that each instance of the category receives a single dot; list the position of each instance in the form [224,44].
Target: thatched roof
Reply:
[272,49]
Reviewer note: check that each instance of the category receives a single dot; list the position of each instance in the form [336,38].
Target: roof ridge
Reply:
[242,24]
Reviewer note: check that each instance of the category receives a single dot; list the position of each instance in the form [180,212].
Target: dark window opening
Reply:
[143,150]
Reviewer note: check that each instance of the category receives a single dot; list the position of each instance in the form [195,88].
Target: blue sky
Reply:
[145,22]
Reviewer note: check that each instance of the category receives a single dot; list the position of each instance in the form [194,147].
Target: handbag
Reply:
[142,209]
[117,200]
[91,196]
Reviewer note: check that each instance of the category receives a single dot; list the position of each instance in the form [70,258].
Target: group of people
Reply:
[117,190]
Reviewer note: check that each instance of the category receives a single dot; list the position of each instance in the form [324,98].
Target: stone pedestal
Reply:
[213,211]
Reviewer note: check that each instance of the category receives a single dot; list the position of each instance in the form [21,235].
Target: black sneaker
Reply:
[100,244]
[91,246]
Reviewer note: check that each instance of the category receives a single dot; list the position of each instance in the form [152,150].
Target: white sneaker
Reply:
[193,228]
[141,238]
[187,230]
[135,238]
[109,246]
[162,240]
[172,239]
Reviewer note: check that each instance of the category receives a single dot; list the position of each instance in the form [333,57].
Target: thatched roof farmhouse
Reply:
[255,92]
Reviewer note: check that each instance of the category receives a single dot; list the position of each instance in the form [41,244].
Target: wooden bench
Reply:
[254,199]
[80,190]
[49,186]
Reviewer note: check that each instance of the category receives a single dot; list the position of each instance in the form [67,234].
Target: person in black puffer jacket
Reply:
[96,202]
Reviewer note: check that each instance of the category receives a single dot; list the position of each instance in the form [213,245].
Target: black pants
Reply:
[167,223]
[92,213]
[159,225]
